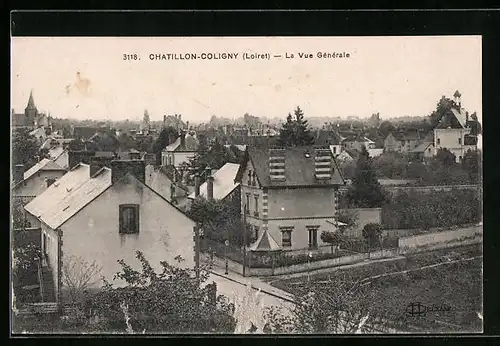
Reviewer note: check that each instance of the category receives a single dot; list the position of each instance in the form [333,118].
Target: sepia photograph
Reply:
[246,185]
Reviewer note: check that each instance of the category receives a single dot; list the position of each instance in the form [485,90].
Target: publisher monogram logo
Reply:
[417,309]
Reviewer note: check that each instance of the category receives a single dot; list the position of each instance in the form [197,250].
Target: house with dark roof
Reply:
[454,131]
[31,183]
[181,150]
[403,141]
[106,214]
[290,193]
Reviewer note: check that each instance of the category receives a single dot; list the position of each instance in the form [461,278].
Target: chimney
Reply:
[210,188]
[196,185]
[183,139]
[119,168]
[18,173]
[323,164]
[277,164]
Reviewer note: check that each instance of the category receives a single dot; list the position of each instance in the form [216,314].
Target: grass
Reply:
[457,285]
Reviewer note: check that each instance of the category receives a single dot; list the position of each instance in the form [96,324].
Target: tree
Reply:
[341,306]
[171,301]
[443,106]
[166,135]
[372,232]
[349,217]
[471,163]
[78,275]
[76,145]
[444,158]
[365,190]
[25,148]
[295,132]
[385,128]
[332,238]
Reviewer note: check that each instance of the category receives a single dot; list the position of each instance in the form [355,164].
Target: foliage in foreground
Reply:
[339,306]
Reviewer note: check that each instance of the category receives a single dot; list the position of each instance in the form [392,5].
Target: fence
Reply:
[352,251]
[443,237]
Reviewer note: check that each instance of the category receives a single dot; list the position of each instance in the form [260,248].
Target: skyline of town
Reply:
[421,70]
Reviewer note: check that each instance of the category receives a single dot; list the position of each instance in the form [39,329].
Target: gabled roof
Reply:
[60,188]
[454,118]
[77,198]
[265,242]
[422,147]
[173,146]
[55,152]
[224,182]
[299,168]
[43,165]
[39,131]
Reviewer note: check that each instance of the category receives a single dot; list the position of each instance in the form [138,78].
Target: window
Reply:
[247,204]
[256,229]
[438,141]
[256,211]
[313,236]
[286,236]
[334,150]
[460,141]
[250,177]
[129,218]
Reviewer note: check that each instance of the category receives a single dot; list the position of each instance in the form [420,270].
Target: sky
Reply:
[394,76]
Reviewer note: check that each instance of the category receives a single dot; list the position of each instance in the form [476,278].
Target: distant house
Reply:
[329,138]
[181,150]
[60,156]
[347,156]
[167,181]
[375,152]
[104,215]
[290,193]
[221,185]
[39,134]
[84,132]
[424,151]
[402,142]
[357,142]
[37,179]
[453,131]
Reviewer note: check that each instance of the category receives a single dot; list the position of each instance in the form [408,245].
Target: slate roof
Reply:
[60,188]
[43,165]
[77,198]
[265,242]
[421,147]
[224,182]
[299,169]
[455,118]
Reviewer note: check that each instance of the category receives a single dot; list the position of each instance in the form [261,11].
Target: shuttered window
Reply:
[129,218]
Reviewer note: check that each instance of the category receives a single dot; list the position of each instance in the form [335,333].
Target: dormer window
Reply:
[250,177]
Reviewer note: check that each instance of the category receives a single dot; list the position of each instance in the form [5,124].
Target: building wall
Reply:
[176,158]
[63,160]
[299,208]
[158,182]
[164,233]
[365,216]
[391,144]
[448,138]
[36,184]
[50,241]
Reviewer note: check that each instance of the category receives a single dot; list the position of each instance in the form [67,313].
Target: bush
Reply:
[433,209]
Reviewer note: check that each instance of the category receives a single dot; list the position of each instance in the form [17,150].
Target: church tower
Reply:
[30,111]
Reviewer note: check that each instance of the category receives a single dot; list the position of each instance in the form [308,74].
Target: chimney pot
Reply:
[210,188]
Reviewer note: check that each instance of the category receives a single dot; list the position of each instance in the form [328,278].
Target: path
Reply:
[332,269]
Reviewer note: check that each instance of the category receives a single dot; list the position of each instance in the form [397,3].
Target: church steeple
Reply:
[31,102]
